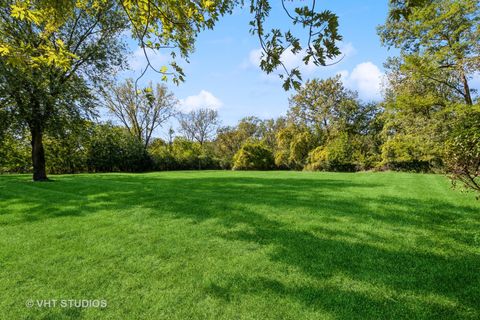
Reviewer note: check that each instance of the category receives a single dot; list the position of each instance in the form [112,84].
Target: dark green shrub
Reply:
[114,149]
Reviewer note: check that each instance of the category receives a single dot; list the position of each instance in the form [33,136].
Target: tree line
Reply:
[327,128]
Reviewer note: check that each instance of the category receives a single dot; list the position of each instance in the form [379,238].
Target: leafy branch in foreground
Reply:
[173,25]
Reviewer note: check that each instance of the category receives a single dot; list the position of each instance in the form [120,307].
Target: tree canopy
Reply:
[437,36]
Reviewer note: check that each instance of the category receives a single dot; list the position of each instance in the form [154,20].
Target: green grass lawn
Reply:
[240,245]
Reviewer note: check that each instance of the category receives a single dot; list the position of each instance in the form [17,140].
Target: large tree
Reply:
[418,116]
[39,41]
[46,72]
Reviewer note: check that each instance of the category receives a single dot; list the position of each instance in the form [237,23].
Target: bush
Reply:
[366,161]
[114,149]
[15,153]
[163,159]
[335,156]
[293,146]
[253,156]
[405,153]
[317,159]
[417,166]
[182,154]
[323,159]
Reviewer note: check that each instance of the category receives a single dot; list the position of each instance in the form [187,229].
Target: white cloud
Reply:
[366,78]
[138,62]
[347,49]
[204,99]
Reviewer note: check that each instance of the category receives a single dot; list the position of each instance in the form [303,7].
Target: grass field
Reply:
[240,245]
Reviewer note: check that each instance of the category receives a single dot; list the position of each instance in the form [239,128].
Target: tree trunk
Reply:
[38,154]
[466,89]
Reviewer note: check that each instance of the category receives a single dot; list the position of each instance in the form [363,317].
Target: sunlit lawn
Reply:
[240,245]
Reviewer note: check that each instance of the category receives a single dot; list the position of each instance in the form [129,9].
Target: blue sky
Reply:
[223,71]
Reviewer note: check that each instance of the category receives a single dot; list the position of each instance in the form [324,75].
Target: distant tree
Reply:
[199,125]
[171,132]
[227,143]
[15,154]
[5,121]
[249,128]
[368,140]
[325,113]
[140,111]
[182,154]
[336,155]
[230,139]
[66,150]
[268,130]
[324,106]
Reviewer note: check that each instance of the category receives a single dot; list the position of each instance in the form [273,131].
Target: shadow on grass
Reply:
[360,279]
[354,271]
